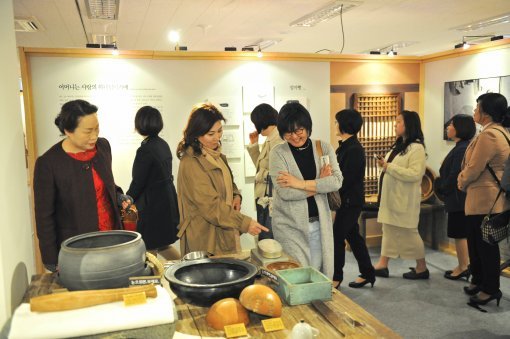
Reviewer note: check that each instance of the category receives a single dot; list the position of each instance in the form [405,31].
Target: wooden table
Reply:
[192,318]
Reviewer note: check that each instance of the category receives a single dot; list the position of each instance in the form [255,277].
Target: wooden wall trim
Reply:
[31,147]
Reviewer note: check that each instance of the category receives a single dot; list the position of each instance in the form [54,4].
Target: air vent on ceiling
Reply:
[103,39]
[325,13]
[103,9]
[30,24]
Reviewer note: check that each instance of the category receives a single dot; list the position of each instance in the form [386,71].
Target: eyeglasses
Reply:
[297,131]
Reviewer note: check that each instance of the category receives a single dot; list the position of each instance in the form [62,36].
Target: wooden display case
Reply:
[379,111]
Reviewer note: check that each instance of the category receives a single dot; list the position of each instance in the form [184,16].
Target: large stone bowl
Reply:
[99,260]
[205,281]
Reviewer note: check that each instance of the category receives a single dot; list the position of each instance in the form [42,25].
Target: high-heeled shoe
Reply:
[337,286]
[471,290]
[463,274]
[355,284]
[413,275]
[496,296]
[382,272]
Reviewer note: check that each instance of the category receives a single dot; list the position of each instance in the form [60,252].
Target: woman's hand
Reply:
[255,228]
[236,203]
[381,162]
[254,137]
[284,179]
[326,171]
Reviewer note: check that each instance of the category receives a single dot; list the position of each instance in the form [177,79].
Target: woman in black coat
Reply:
[152,186]
[351,158]
[460,129]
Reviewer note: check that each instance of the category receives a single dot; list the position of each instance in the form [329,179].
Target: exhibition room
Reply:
[255,168]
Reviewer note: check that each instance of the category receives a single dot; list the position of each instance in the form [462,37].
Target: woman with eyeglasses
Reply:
[301,215]
[209,201]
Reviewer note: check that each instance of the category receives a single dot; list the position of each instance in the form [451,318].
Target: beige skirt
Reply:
[402,242]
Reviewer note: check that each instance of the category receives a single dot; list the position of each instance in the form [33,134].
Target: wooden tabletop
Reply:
[354,322]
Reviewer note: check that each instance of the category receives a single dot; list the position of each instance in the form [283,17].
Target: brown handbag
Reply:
[334,200]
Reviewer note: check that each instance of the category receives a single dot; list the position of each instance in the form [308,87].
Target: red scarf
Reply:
[104,206]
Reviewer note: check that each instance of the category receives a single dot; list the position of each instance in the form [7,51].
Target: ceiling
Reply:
[211,25]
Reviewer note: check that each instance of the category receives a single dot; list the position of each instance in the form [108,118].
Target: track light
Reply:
[375,52]
[230,49]
[473,39]
[115,51]
[259,53]
[392,53]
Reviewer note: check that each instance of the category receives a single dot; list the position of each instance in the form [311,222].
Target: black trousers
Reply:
[346,227]
[484,258]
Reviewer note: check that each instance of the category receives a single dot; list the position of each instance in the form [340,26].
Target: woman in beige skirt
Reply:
[400,197]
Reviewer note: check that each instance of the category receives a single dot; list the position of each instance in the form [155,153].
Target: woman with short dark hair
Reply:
[351,159]
[301,214]
[264,117]
[209,201]
[403,168]
[482,168]
[152,186]
[74,189]
[460,129]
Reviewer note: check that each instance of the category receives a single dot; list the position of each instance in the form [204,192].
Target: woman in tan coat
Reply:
[209,201]
[489,150]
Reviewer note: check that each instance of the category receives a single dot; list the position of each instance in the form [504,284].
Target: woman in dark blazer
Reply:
[152,186]
[74,190]
[489,148]
[460,129]
[351,158]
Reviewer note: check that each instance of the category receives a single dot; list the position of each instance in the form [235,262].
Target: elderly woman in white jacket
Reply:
[301,216]
[400,198]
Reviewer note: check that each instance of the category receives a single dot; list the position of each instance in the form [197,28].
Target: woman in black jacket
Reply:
[152,186]
[351,158]
[460,129]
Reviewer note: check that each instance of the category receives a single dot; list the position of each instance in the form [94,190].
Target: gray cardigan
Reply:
[290,209]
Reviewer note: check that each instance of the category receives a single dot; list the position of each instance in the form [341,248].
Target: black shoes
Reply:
[496,296]
[463,274]
[382,272]
[471,290]
[412,275]
[355,284]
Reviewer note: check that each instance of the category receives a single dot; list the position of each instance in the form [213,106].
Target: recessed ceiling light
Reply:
[500,19]
[325,13]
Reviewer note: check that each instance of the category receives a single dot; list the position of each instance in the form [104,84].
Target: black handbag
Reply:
[334,200]
[495,227]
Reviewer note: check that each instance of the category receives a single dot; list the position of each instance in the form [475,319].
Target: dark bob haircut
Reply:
[70,114]
[349,121]
[292,116]
[201,120]
[464,125]
[148,121]
[263,116]
[495,105]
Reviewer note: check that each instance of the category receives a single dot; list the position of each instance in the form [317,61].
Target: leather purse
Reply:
[495,227]
[334,200]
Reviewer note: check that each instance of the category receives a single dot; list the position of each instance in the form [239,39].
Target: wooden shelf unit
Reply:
[379,111]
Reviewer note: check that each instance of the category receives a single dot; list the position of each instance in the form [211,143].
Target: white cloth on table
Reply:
[92,320]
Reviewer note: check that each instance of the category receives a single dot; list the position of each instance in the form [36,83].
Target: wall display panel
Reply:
[120,86]
[379,111]
[504,86]
[460,96]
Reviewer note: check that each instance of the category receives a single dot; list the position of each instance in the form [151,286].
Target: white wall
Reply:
[16,251]
[174,86]
[482,65]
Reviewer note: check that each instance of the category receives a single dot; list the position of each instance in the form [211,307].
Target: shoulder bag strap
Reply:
[494,174]
[319,147]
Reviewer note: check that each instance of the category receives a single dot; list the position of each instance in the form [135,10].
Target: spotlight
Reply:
[392,53]
[463,45]
[115,51]
[375,52]
[230,49]
[497,37]
[248,49]
[259,53]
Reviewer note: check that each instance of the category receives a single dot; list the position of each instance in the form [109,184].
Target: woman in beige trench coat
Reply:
[209,201]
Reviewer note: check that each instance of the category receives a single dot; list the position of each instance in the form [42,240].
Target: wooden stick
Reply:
[80,299]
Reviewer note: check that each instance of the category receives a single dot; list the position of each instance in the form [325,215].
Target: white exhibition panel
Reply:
[120,86]
[482,65]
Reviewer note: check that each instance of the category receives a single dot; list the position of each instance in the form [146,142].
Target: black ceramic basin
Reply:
[205,281]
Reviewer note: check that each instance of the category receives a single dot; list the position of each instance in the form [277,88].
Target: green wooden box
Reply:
[302,285]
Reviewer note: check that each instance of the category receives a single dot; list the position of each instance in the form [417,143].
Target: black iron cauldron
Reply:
[205,281]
